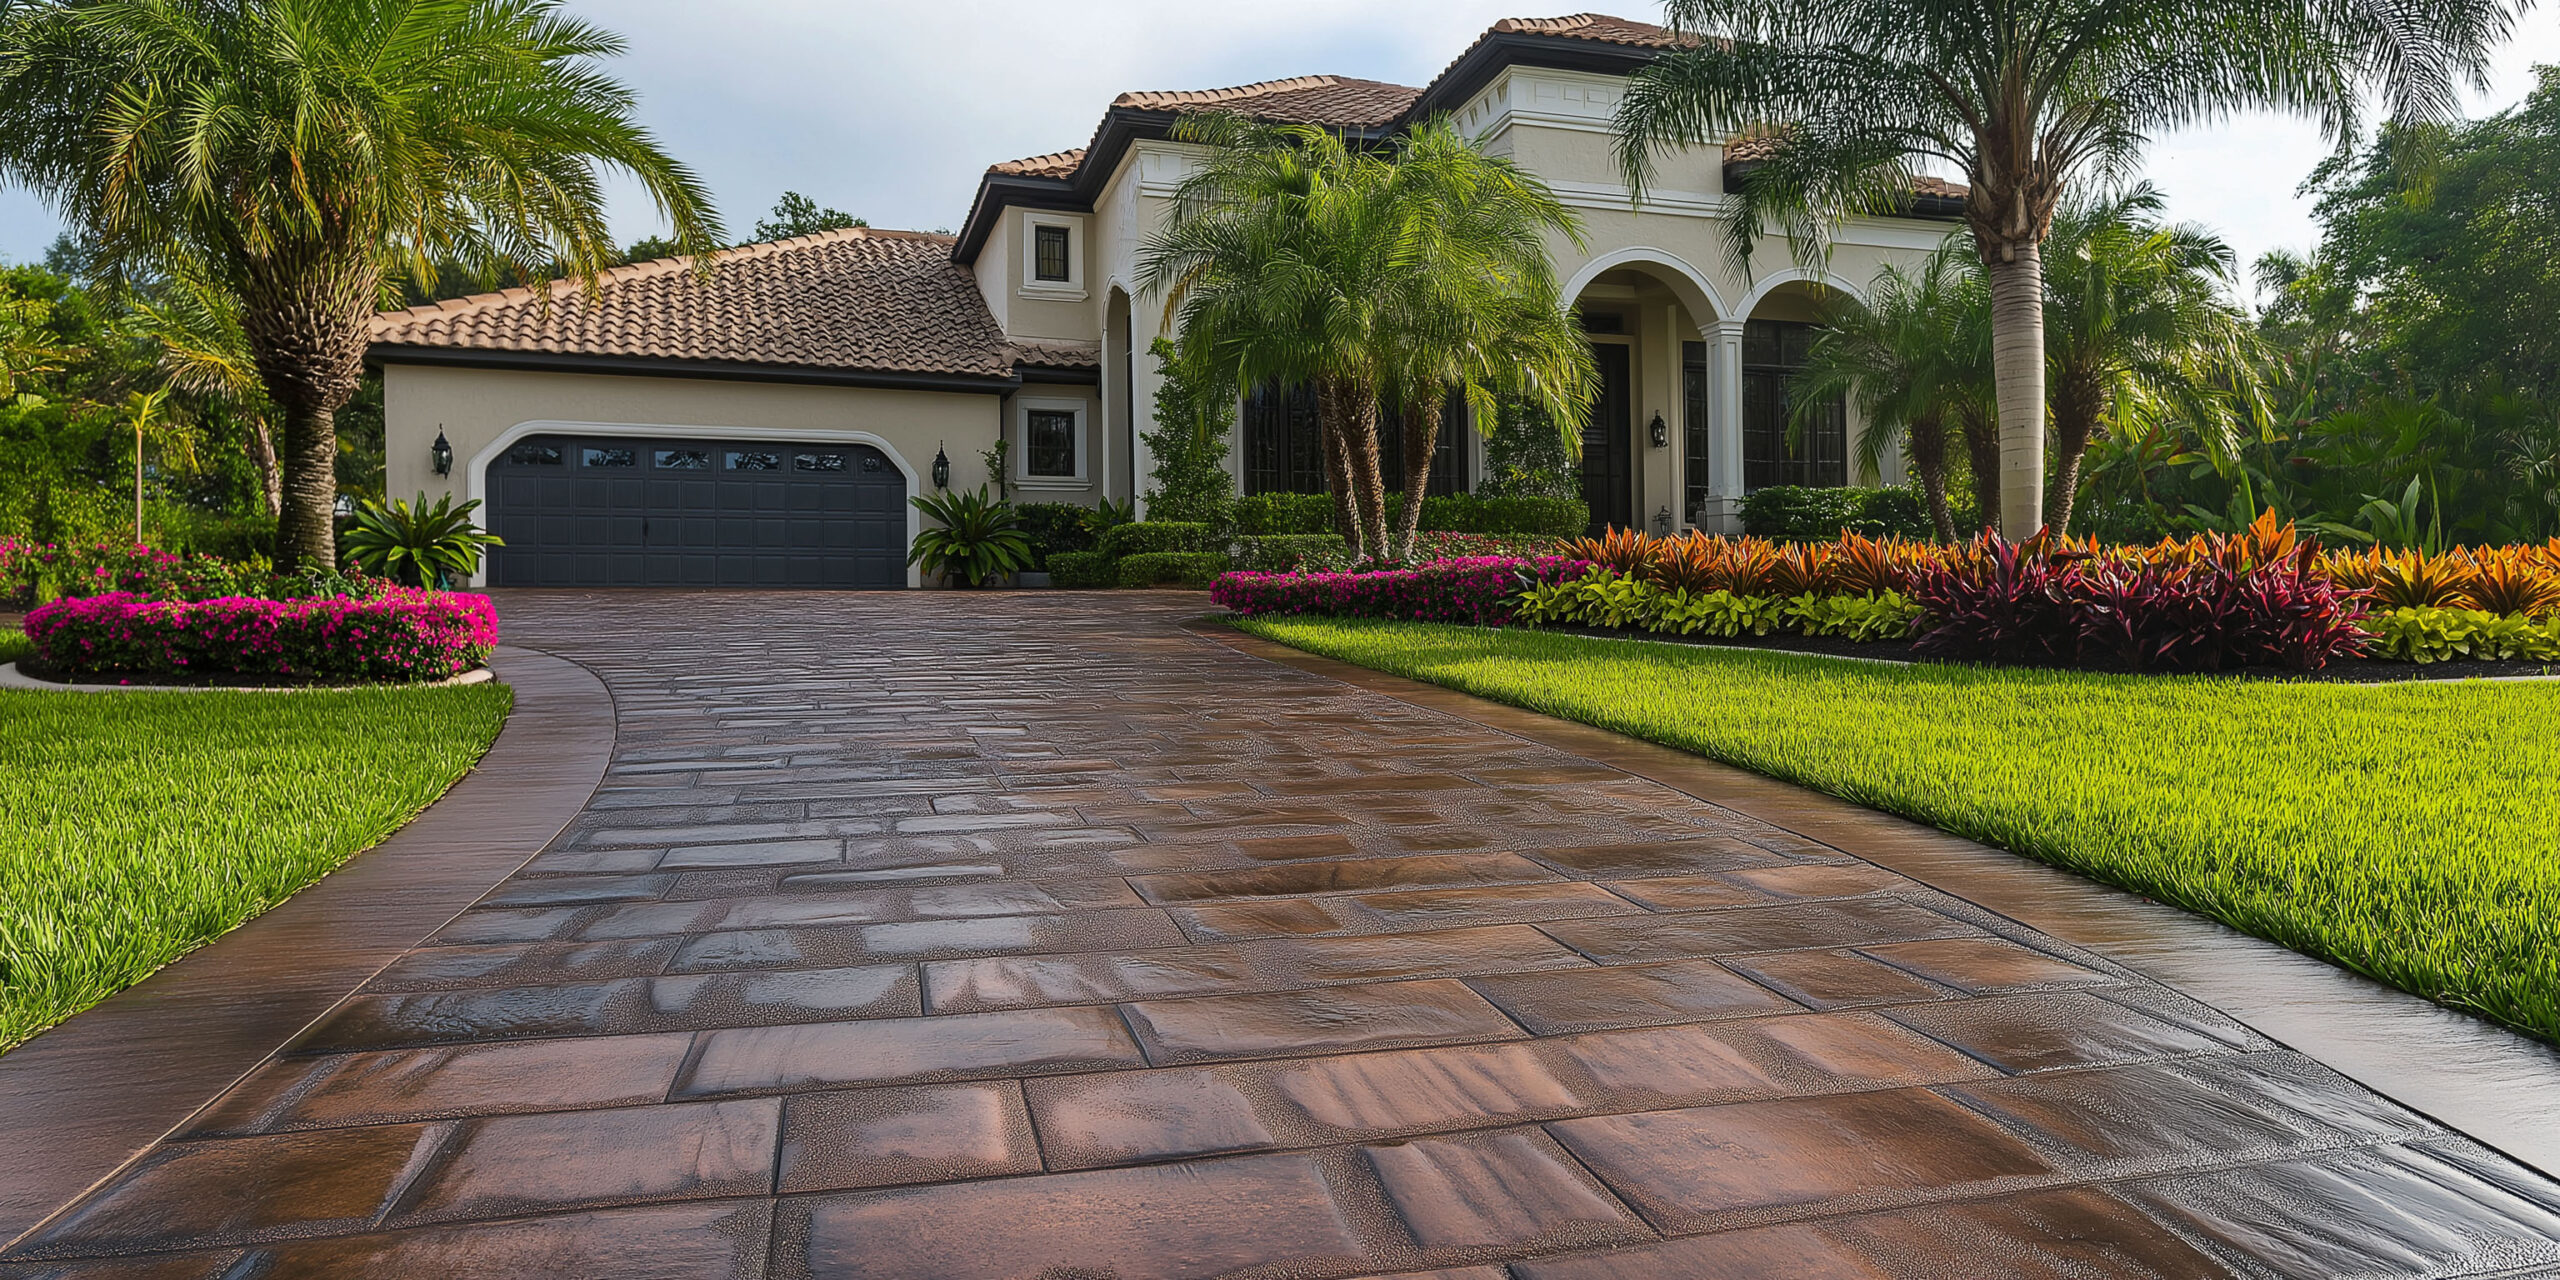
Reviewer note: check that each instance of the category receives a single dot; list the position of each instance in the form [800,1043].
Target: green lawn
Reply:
[137,827]
[13,645]
[2410,832]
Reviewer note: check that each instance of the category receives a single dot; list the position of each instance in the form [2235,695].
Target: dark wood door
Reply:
[1608,445]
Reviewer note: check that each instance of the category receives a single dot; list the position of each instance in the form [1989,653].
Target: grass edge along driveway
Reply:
[2409,832]
[135,828]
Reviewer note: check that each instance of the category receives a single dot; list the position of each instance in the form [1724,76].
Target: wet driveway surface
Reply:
[1032,936]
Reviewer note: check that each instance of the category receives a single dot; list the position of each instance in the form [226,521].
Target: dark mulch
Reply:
[2349,671]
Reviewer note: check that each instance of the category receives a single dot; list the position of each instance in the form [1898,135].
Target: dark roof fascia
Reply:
[1923,206]
[384,353]
[1500,52]
[1049,375]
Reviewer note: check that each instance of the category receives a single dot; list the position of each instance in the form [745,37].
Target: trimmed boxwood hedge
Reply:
[1281,552]
[1820,515]
[1152,536]
[1271,514]
[1054,528]
[1172,568]
[1080,569]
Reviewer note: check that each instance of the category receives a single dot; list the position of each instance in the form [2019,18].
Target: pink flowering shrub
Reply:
[1476,590]
[401,635]
[34,572]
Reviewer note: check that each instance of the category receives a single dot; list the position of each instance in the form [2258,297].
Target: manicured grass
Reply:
[2410,832]
[137,827]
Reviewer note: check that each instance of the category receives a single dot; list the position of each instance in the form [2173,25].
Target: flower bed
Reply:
[35,572]
[1477,590]
[400,635]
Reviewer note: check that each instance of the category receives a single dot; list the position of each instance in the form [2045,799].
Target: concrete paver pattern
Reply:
[1030,936]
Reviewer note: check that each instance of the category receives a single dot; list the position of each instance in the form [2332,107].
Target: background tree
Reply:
[1195,409]
[289,151]
[1916,360]
[1859,97]
[793,215]
[204,350]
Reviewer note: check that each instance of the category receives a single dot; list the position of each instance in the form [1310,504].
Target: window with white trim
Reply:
[1049,443]
[1049,254]
[1052,260]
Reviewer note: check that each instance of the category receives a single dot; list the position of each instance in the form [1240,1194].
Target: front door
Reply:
[1608,446]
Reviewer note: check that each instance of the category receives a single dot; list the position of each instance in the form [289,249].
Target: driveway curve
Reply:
[940,935]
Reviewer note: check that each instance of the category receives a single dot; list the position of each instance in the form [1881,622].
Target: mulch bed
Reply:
[2349,671]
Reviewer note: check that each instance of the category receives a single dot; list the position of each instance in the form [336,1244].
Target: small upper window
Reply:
[1049,448]
[1049,247]
[684,459]
[608,457]
[535,455]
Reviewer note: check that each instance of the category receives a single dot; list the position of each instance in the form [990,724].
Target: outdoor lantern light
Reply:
[441,454]
[343,507]
[941,468]
[1661,433]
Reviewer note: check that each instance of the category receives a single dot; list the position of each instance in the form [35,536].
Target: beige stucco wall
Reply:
[481,410]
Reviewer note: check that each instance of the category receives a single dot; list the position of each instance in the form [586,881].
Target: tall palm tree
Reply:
[289,150]
[1917,362]
[1476,307]
[1856,97]
[2139,321]
[1269,265]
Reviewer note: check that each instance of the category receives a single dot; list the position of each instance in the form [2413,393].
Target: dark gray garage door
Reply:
[588,511]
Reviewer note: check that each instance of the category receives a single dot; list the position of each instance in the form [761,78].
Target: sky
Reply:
[891,111]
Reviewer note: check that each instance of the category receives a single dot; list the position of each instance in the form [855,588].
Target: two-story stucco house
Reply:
[764,427]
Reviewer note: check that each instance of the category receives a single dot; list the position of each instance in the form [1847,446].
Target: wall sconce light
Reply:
[941,468]
[1661,433]
[440,454]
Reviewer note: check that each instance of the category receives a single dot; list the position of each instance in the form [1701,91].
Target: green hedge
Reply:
[1799,511]
[1080,569]
[1281,552]
[1272,514]
[1172,568]
[1148,537]
[1054,528]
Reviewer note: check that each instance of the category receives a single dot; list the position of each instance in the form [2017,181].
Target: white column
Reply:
[1724,426]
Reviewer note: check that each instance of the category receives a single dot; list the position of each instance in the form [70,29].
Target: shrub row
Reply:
[1800,512]
[1611,600]
[33,572]
[1283,513]
[400,635]
[1169,569]
[2443,635]
[1480,591]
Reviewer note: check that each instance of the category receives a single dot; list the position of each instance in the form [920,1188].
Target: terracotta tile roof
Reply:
[854,300]
[1056,164]
[1595,26]
[1339,101]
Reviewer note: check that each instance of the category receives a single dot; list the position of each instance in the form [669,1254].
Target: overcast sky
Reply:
[890,111]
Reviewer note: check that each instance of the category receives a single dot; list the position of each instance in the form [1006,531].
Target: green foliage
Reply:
[1145,537]
[974,539]
[1195,414]
[1170,568]
[1086,569]
[416,544]
[1108,514]
[1885,615]
[997,458]
[1806,513]
[1282,552]
[2402,831]
[2444,635]
[1613,600]
[14,645]
[1053,527]
[135,829]
[797,215]
[1281,513]
[1527,515]
[1526,456]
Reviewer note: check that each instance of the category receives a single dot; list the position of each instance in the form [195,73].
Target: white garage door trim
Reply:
[476,473]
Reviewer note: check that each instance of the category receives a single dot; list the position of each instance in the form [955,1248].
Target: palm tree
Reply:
[1855,97]
[1477,309]
[1917,362]
[203,350]
[288,151]
[2139,322]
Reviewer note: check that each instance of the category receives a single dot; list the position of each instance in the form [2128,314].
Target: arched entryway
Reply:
[1650,445]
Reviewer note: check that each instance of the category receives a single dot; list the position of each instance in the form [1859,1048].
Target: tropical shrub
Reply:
[34,573]
[1282,513]
[1432,546]
[1885,615]
[415,544]
[1170,568]
[405,635]
[1080,569]
[1053,527]
[975,540]
[1821,514]
[1146,537]
[2443,635]
[1194,416]
[1482,591]
[1531,515]
[1281,552]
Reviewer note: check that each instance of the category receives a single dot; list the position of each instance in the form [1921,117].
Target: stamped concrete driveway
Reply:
[1032,936]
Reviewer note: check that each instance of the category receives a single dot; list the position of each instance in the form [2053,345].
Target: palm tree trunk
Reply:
[1355,409]
[2017,367]
[1928,436]
[262,453]
[1337,468]
[304,316]
[1421,439]
[1982,451]
[2077,410]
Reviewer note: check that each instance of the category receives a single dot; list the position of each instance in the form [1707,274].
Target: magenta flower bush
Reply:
[31,572]
[402,635]
[1476,590]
